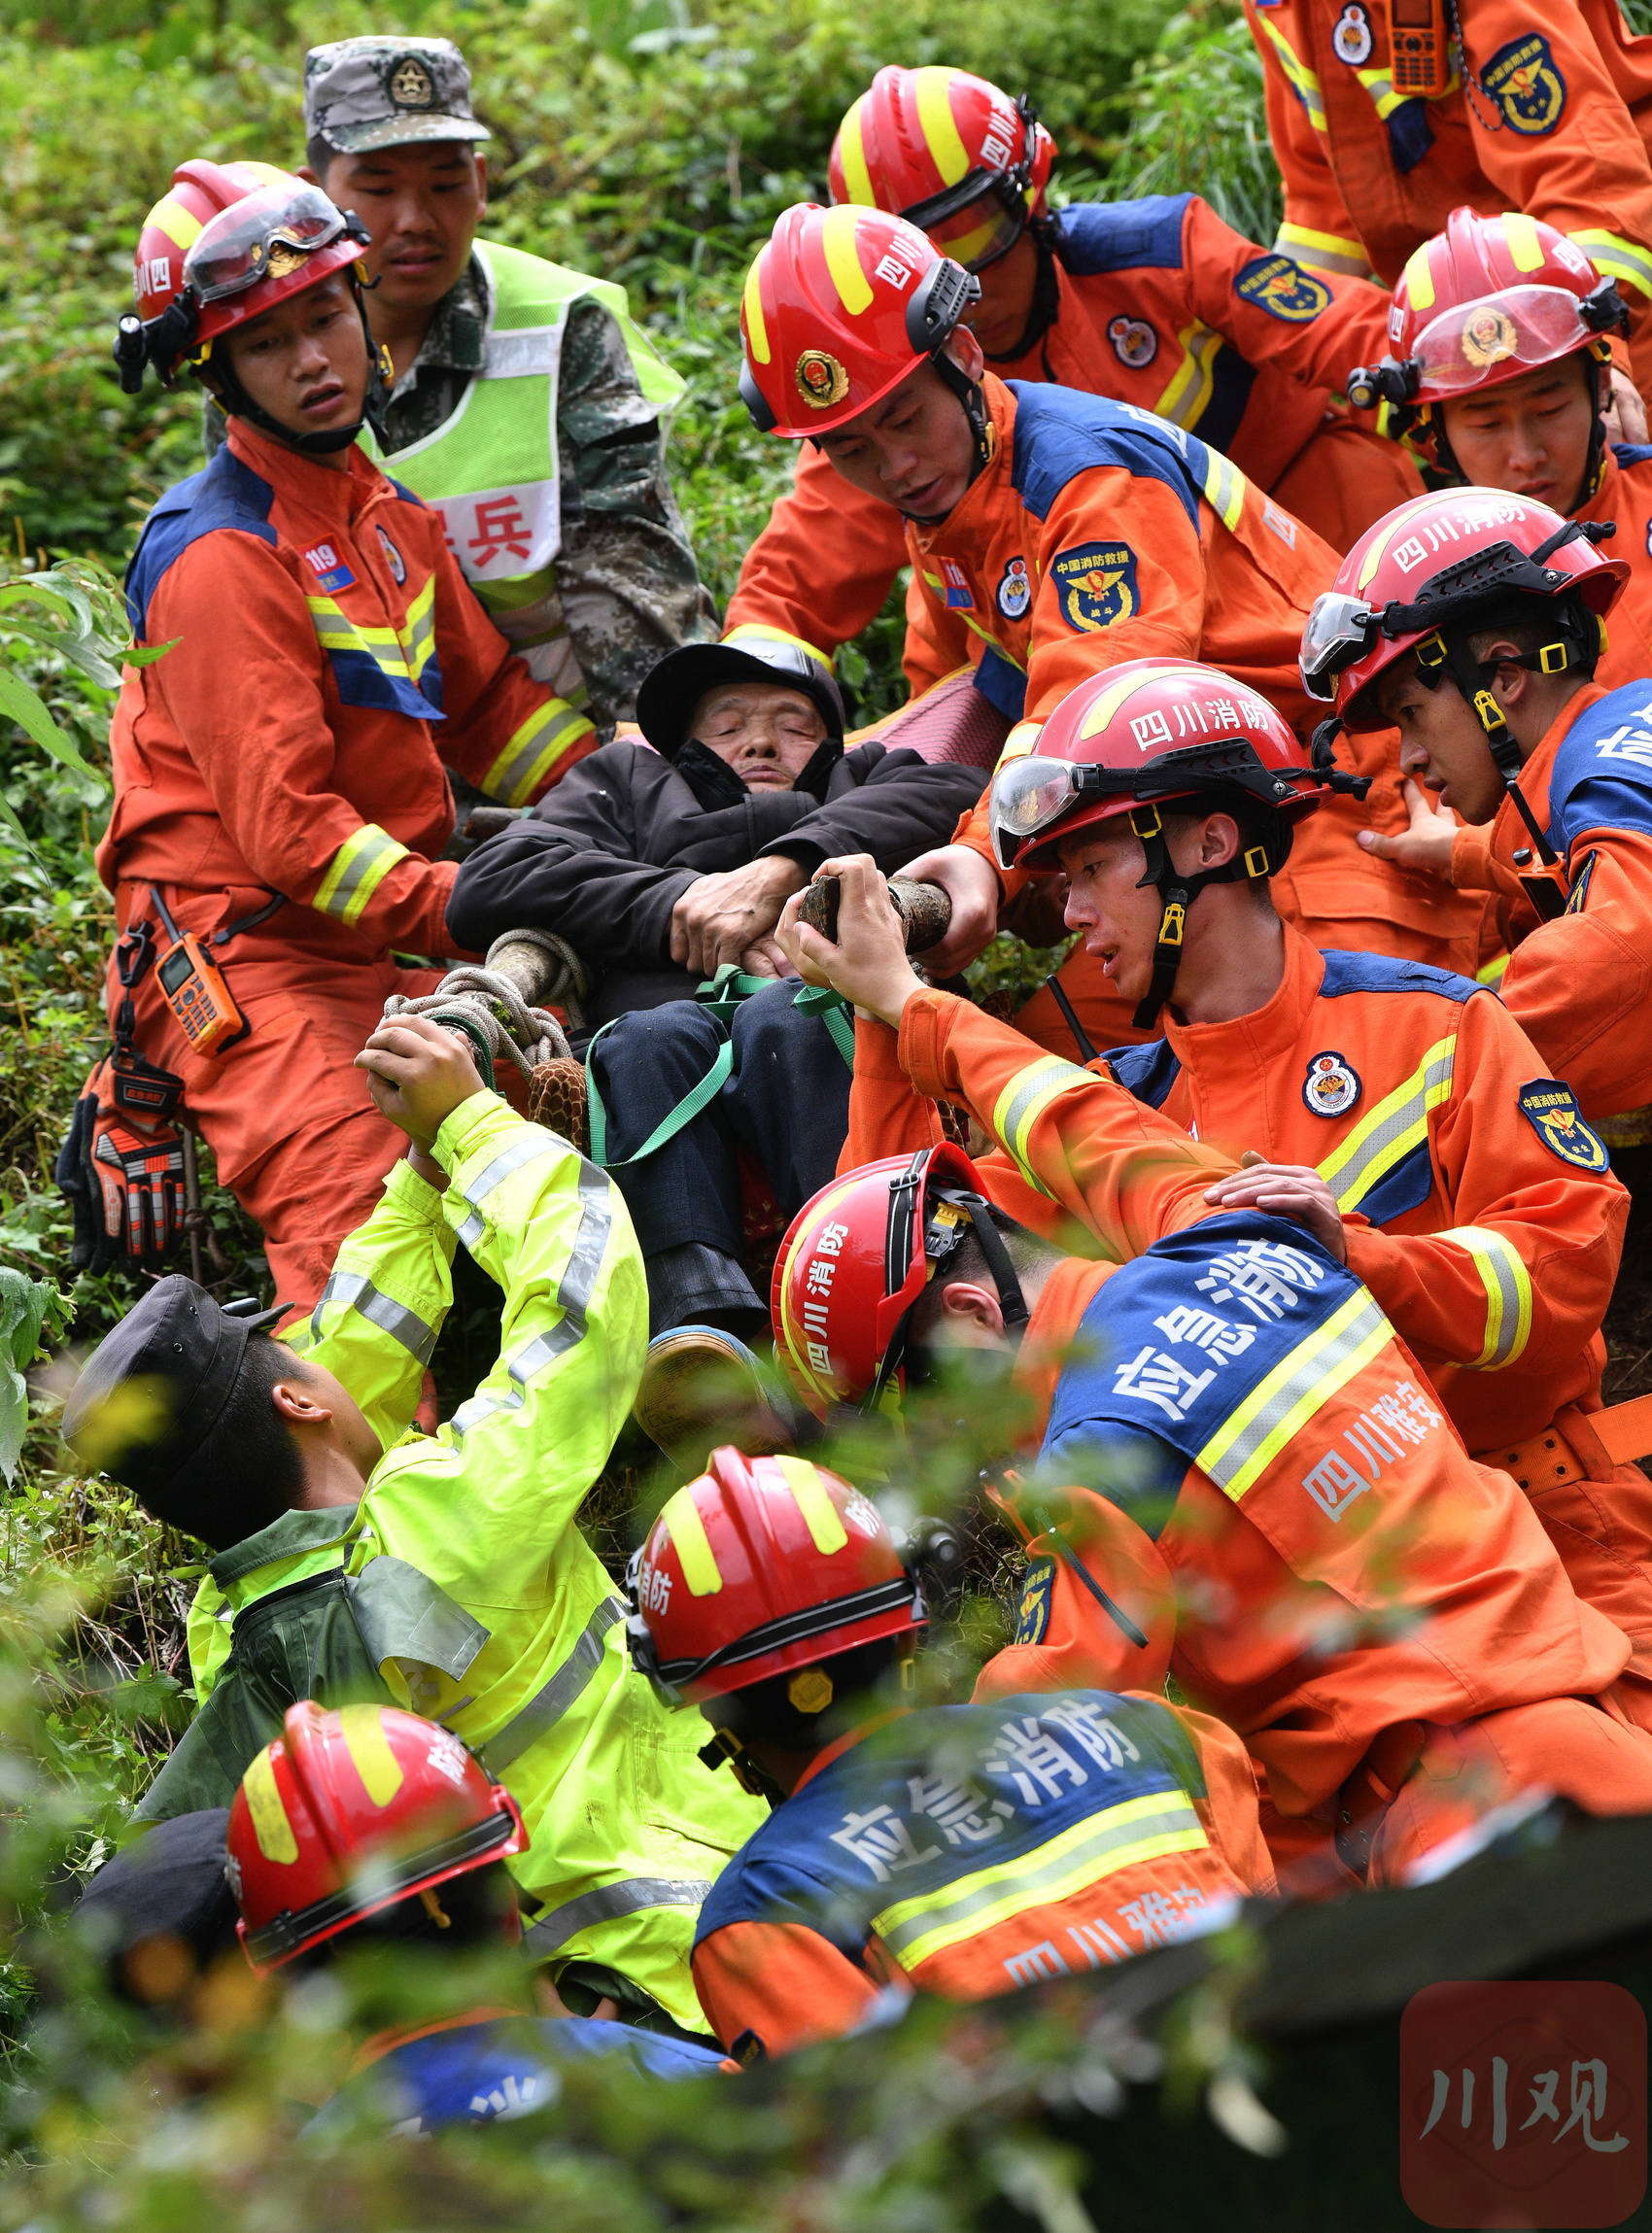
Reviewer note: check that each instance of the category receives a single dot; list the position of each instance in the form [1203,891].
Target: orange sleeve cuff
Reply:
[926,1025]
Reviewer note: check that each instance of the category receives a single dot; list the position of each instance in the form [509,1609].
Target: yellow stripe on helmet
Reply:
[1520,233]
[368,1749]
[816,1506]
[170,217]
[756,332]
[682,1523]
[270,1826]
[852,153]
[934,90]
[840,230]
[1418,279]
[1398,522]
[1112,697]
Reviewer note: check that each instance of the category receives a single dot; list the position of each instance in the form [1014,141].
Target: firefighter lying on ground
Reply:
[281,773]
[668,861]
[1052,536]
[353,1559]
[965,1849]
[1154,302]
[1286,1520]
[1476,624]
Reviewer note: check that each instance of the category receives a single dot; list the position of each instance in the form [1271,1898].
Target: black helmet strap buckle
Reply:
[1453,655]
[1177,893]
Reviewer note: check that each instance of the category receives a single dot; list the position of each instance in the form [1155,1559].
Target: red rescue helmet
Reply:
[227,243]
[856,1258]
[1142,734]
[759,1565]
[350,1813]
[840,307]
[949,153]
[1434,570]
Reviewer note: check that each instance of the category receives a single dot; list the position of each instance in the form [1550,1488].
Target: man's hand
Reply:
[1286,1190]
[766,959]
[1426,844]
[868,963]
[1625,413]
[418,1073]
[720,918]
[970,882]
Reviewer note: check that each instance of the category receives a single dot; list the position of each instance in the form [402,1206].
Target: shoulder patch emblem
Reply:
[1032,1619]
[1525,81]
[392,559]
[1331,1086]
[1282,288]
[328,568]
[1134,341]
[1351,40]
[957,583]
[1013,593]
[1551,1109]
[1096,584]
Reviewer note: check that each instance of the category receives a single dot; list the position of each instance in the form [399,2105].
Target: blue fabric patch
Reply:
[361,681]
[820,1863]
[1525,81]
[1147,1072]
[226,493]
[1279,285]
[1602,773]
[339,577]
[1410,135]
[1032,1615]
[1095,585]
[1002,684]
[1632,453]
[1550,1108]
[1145,236]
[1347,972]
[1131,1372]
[1060,433]
[1407,1187]
[407,495]
[1231,379]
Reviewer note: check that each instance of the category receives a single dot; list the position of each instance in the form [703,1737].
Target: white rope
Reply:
[529,1035]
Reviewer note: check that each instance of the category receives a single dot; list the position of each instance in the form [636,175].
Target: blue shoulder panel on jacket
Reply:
[227,495]
[1060,433]
[1146,1072]
[1002,683]
[1602,773]
[1632,453]
[1092,236]
[1347,972]
[410,494]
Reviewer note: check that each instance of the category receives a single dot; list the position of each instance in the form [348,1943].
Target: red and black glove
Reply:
[123,1174]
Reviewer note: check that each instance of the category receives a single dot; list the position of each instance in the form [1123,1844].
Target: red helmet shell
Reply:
[832,1314]
[1395,561]
[917,137]
[1149,714]
[349,1812]
[1488,300]
[823,318]
[757,1542]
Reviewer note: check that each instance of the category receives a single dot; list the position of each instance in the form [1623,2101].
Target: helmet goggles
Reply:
[982,216]
[1497,336]
[263,236]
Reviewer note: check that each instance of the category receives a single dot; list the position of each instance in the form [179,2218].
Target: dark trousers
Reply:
[786,1100]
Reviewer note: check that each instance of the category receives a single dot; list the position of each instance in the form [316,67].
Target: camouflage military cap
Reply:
[374,92]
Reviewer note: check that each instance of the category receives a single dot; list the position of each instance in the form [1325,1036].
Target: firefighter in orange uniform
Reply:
[1154,302]
[1379,132]
[1050,534]
[1290,1517]
[279,773]
[965,1849]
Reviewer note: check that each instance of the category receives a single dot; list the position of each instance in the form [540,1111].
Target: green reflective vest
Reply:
[493,469]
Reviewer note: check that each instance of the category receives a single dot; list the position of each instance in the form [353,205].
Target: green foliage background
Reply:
[654,148]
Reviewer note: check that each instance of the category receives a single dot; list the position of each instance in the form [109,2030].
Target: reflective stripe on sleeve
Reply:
[354,1290]
[1302,81]
[356,872]
[1118,1837]
[1509,1293]
[1251,1437]
[1225,486]
[1392,1129]
[1194,380]
[1325,252]
[521,768]
[336,632]
[575,1290]
[1615,257]
[546,1708]
[1024,1099]
[610,1905]
[418,631]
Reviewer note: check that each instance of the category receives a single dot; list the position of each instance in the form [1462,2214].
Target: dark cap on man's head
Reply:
[174,1357]
[675,685]
[376,91]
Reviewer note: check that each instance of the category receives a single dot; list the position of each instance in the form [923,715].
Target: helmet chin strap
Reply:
[235,401]
[970,395]
[1452,655]
[1175,894]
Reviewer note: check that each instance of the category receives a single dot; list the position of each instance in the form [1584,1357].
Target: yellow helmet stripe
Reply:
[369,1747]
[695,1555]
[1418,279]
[270,1826]
[756,332]
[175,220]
[1115,696]
[1400,519]
[934,90]
[839,231]
[852,153]
[1520,233]
[813,1502]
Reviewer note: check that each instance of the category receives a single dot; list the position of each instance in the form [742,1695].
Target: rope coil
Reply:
[472,996]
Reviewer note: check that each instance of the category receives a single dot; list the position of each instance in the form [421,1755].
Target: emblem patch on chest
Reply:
[1134,341]
[328,568]
[1279,285]
[392,558]
[1032,1617]
[1525,81]
[1551,1110]
[1331,1086]
[956,583]
[1351,41]
[1014,591]
[1096,584]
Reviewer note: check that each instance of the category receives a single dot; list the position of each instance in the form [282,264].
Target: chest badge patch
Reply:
[392,559]
[956,583]
[1013,593]
[1032,1617]
[1134,341]
[1351,40]
[1551,1110]
[328,568]
[1282,287]
[1331,1086]
[1096,585]
[1525,81]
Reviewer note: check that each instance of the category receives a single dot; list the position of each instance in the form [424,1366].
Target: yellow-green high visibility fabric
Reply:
[493,469]
[628,1827]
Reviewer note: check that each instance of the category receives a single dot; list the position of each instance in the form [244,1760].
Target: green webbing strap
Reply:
[835,1013]
[722,995]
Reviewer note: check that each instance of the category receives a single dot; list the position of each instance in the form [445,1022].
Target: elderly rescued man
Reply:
[667,861]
